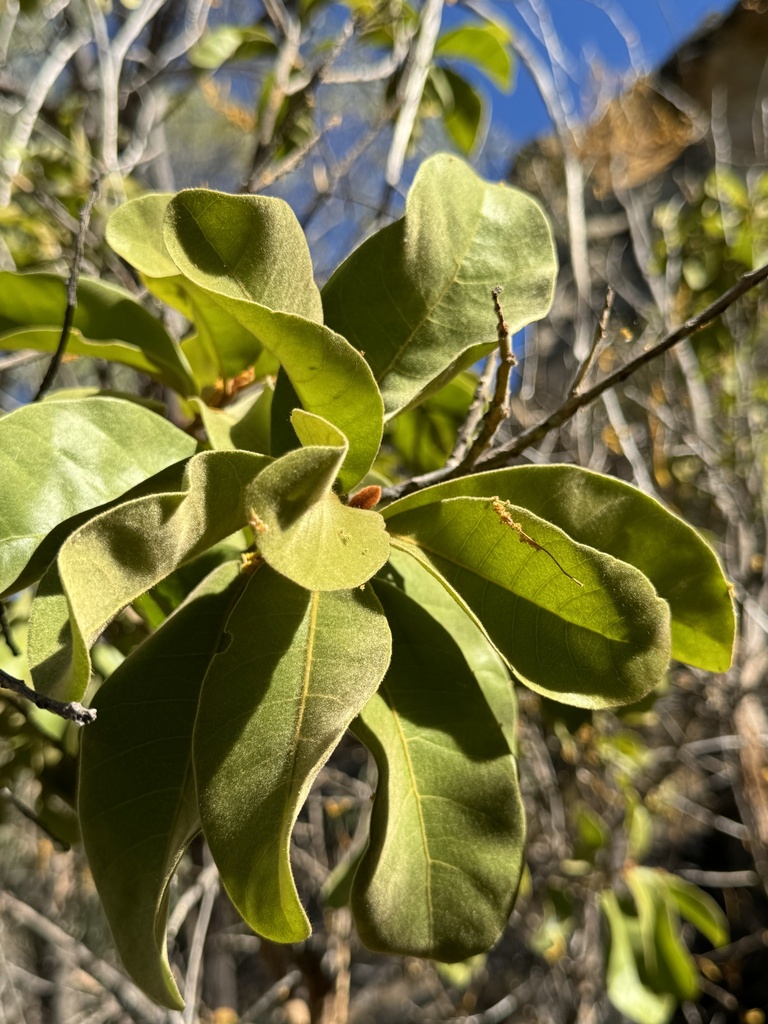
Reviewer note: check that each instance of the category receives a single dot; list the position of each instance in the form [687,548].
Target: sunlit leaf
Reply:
[486,46]
[59,459]
[612,516]
[463,114]
[441,871]
[108,324]
[244,425]
[137,799]
[124,552]
[302,528]
[573,623]
[230,42]
[221,347]
[276,701]
[250,255]
[416,296]
[692,903]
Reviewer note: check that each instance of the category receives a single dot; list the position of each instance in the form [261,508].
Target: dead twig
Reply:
[72,711]
[74,277]
[138,1006]
[499,407]
[502,455]
[598,338]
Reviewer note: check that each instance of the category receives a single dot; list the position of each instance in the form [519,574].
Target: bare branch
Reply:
[73,711]
[474,413]
[499,407]
[597,339]
[571,406]
[130,997]
[24,123]
[195,966]
[69,312]
[413,86]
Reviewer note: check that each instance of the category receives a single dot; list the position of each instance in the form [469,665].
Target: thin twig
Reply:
[414,79]
[499,407]
[138,1006]
[16,143]
[74,277]
[721,879]
[72,711]
[474,415]
[598,338]
[571,406]
[195,966]
[189,899]
[29,814]
[275,994]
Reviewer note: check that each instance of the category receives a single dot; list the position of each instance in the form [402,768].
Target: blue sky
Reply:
[588,37]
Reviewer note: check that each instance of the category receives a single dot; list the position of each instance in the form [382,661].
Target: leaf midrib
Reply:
[414,786]
[429,310]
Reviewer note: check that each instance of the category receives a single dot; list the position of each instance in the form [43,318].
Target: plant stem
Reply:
[73,711]
[74,277]
[501,457]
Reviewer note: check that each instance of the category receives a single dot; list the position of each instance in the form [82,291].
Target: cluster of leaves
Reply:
[649,969]
[311,612]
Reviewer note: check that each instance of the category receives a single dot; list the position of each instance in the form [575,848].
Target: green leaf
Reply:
[251,257]
[424,437]
[302,528]
[693,904]
[482,658]
[625,989]
[416,297]
[486,46]
[440,874]
[60,459]
[221,348]
[574,624]
[676,969]
[243,247]
[135,232]
[244,425]
[230,42]
[124,552]
[614,517]
[463,111]
[108,324]
[137,799]
[275,703]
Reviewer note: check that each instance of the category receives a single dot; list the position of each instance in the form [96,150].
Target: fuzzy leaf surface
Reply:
[416,296]
[481,656]
[220,346]
[137,799]
[256,278]
[302,528]
[440,874]
[600,644]
[242,425]
[59,459]
[298,668]
[108,324]
[612,516]
[122,553]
